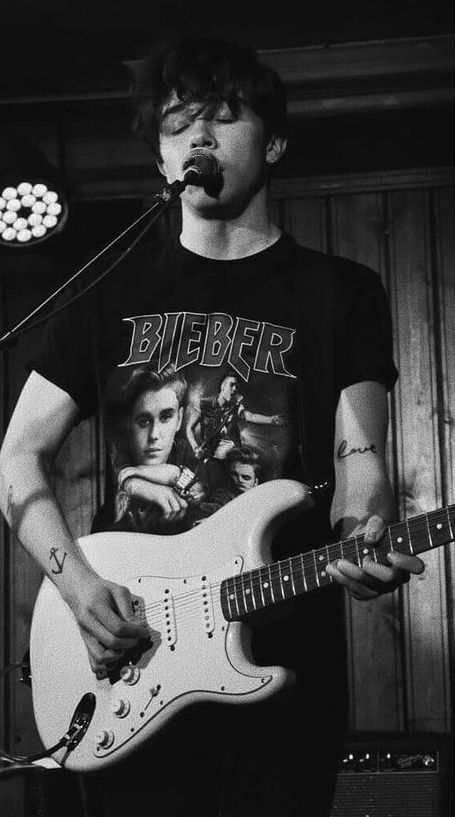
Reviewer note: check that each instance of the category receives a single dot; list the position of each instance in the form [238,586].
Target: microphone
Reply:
[200,167]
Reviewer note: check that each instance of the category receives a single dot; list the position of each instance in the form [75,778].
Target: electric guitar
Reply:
[194,589]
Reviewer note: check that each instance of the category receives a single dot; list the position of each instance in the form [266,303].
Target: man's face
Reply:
[153,424]
[229,388]
[243,476]
[239,144]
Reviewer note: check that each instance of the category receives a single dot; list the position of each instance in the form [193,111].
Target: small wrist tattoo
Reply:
[344,452]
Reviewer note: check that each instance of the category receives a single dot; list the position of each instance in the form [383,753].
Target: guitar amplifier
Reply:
[395,775]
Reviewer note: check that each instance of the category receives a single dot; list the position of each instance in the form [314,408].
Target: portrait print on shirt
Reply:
[211,394]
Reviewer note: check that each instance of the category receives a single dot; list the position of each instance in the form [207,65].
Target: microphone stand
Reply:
[161,201]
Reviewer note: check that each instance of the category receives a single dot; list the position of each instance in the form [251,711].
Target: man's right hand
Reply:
[105,615]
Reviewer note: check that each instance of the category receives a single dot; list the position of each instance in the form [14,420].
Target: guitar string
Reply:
[346,548]
[253,581]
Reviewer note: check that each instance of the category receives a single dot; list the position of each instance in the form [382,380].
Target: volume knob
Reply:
[104,739]
[120,708]
[130,674]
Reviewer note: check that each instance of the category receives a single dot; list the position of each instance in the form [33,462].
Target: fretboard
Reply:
[274,583]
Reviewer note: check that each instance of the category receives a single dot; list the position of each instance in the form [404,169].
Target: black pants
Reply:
[274,759]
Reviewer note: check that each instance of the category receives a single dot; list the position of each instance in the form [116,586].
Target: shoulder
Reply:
[315,263]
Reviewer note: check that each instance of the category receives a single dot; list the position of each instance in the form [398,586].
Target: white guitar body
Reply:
[196,654]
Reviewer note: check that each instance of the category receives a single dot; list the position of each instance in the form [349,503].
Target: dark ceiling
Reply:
[74,45]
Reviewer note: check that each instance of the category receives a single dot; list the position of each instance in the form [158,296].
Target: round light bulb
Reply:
[50,197]
[39,230]
[28,200]
[39,190]
[9,193]
[24,188]
[23,236]
[54,209]
[39,207]
[20,224]
[9,234]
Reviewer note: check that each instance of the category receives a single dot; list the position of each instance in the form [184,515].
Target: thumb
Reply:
[375,529]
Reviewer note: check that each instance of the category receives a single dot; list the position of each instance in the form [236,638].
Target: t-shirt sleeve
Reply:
[65,356]
[366,347]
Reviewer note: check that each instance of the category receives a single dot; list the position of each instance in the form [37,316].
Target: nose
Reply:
[152,431]
[202,135]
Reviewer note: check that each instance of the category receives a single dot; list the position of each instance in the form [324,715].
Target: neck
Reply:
[228,239]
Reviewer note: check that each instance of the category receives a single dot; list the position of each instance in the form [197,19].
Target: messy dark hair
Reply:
[212,71]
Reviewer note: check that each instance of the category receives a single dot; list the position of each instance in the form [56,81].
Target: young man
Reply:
[309,337]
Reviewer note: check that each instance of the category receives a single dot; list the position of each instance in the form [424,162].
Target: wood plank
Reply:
[418,451]
[306,219]
[23,291]
[358,233]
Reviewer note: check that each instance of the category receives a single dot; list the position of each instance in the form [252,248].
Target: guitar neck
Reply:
[274,583]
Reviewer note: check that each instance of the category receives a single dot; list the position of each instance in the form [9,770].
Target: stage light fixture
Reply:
[33,202]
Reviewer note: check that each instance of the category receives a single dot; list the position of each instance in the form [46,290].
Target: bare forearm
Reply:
[356,500]
[33,514]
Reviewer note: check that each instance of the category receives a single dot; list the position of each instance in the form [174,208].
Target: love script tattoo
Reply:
[342,452]
[53,555]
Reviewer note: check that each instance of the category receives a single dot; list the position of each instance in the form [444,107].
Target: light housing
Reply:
[33,200]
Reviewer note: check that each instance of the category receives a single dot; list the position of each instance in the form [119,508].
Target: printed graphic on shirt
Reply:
[199,412]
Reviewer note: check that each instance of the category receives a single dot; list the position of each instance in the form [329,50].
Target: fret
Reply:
[331,579]
[439,527]
[239,596]
[286,579]
[399,537]
[266,586]
[274,583]
[231,598]
[299,562]
[411,548]
[302,570]
[320,563]
[359,557]
[428,530]
[450,523]
[316,568]
[274,574]
[248,599]
[255,584]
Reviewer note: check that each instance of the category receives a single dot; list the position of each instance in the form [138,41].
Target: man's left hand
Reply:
[374,579]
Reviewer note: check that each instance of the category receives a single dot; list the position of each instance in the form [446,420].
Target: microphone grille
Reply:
[203,161]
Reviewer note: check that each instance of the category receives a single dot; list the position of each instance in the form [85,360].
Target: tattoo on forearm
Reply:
[344,452]
[58,562]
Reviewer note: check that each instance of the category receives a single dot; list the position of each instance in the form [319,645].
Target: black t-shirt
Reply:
[193,360]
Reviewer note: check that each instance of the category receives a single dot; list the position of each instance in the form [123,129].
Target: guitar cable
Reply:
[77,728]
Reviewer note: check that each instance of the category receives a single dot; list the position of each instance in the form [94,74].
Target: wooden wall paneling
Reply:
[27,281]
[444,219]
[418,456]
[305,218]
[357,227]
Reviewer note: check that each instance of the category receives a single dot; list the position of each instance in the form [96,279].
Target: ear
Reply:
[275,148]
[160,166]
